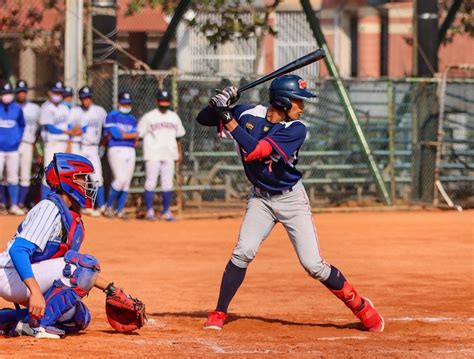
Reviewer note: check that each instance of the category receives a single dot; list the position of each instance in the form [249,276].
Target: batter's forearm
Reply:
[244,139]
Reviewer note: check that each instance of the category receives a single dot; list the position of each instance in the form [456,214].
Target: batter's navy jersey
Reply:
[125,122]
[277,172]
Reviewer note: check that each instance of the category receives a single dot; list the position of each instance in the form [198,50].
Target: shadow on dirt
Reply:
[235,317]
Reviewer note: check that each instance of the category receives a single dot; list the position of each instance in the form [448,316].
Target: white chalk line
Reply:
[216,348]
[429,319]
[155,323]
[343,338]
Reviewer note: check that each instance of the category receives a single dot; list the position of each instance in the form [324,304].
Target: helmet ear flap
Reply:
[283,103]
[52,177]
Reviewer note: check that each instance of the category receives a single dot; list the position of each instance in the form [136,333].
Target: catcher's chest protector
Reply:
[73,237]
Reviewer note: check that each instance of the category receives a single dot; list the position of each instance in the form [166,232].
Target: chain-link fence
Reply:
[394,115]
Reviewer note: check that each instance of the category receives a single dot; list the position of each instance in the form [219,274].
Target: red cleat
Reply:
[215,320]
[370,318]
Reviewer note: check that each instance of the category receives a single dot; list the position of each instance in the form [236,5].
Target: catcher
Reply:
[43,271]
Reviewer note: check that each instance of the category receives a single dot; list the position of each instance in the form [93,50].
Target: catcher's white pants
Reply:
[13,289]
[92,154]
[26,160]
[163,168]
[9,164]
[122,163]
[49,150]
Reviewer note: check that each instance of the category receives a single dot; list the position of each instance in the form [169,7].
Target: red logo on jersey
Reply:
[302,84]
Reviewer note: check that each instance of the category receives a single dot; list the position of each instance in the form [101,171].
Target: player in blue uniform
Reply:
[12,125]
[121,131]
[268,141]
[42,268]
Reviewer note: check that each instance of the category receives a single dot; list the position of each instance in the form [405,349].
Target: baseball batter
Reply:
[12,124]
[54,120]
[31,112]
[41,269]
[121,131]
[161,130]
[91,119]
[268,141]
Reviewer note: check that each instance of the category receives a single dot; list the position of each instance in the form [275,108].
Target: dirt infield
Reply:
[417,267]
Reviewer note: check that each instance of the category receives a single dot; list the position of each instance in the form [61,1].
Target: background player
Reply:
[74,143]
[54,119]
[121,132]
[12,124]
[31,113]
[91,119]
[268,142]
[43,257]
[161,130]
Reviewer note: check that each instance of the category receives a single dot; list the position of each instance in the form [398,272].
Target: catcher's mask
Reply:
[70,173]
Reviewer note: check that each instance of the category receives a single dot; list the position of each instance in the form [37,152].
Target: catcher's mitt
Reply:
[124,313]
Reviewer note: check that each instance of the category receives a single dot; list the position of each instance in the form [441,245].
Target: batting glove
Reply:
[225,97]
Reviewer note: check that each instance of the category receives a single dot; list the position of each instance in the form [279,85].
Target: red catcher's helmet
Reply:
[61,175]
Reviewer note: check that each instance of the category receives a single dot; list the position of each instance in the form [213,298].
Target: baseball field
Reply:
[416,266]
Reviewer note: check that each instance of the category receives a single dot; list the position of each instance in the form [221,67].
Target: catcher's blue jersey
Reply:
[277,172]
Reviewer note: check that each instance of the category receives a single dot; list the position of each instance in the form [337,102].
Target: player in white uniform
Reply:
[121,132]
[74,143]
[31,113]
[161,130]
[91,119]
[54,120]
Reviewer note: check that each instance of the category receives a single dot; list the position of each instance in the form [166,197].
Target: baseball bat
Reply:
[292,66]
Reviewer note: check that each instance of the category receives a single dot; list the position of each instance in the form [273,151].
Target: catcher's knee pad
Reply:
[86,270]
[76,319]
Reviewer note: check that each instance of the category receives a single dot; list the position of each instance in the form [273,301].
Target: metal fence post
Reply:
[115,84]
[391,140]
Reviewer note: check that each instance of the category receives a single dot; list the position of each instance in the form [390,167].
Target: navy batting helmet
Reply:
[287,87]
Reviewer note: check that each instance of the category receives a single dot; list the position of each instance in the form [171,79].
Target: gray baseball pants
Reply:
[293,211]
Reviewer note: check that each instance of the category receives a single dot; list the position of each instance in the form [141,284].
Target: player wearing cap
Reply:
[161,130]
[12,124]
[121,133]
[91,118]
[54,120]
[31,113]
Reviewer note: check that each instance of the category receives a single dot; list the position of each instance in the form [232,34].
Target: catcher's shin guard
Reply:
[361,307]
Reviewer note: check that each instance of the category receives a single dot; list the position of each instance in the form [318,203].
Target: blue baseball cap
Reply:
[6,88]
[68,91]
[58,87]
[21,86]
[85,92]
[125,98]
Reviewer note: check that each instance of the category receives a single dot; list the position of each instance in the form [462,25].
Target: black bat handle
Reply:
[292,66]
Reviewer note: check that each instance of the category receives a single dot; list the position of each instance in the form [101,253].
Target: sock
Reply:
[44,191]
[121,201]
[113,195]
[167,198]
[14,191]
[100,197]
[12,316]
[3,190]
[23,194]
[231,280]
[149,199]
[342,289]
[336,279]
